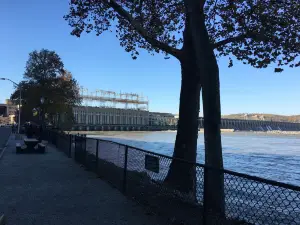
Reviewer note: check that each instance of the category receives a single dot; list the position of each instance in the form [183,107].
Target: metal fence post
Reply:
[70,145]
[205,211]
[97,154]
[56,140]
[125,170]
[84,150]
[75,147]
[81,155]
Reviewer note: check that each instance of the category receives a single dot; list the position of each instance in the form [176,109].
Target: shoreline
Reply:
[277,132]
[114,133]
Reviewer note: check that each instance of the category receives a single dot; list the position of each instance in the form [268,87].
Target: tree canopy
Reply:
[256,32]
[46,77]
[259,32]
[43,65]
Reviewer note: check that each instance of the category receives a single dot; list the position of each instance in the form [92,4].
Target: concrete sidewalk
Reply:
[53,189]
[4,134]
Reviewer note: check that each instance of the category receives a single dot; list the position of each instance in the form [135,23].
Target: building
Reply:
[7,112]
[87,115]
[108,110]
[162,119]
[5,120]
[100,118]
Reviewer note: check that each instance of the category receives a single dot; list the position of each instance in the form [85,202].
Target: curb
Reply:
[1,154]
[2,220]
[3,150]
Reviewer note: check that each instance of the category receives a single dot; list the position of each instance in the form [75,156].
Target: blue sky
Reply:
[101,63]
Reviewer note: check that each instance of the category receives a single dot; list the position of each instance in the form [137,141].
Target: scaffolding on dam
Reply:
[111,99]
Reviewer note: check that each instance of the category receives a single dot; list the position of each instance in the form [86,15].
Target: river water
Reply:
[275,157]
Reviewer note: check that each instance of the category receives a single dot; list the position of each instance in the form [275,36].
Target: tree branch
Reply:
[144,33]
[230,40]
[250,34]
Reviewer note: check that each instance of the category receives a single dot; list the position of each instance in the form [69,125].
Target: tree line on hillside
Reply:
[198,32]
[263,116]
[48,91]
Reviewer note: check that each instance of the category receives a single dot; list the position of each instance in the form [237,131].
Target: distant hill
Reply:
[258,116]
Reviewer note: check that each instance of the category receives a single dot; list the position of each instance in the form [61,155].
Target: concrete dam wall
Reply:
[255,125]
[236,125]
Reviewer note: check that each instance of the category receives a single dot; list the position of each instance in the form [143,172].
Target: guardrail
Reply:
[141,174]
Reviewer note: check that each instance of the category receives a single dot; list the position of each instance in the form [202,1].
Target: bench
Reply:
[18,148]
[23,149]
[41,147]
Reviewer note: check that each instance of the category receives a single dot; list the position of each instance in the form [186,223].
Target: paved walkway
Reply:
[53,189]
[4,134]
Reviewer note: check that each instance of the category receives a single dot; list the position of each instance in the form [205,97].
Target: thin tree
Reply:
[196,32]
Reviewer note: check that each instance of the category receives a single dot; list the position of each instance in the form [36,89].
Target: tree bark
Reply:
[214,179]
[208,68]
[182,176]
[199,68]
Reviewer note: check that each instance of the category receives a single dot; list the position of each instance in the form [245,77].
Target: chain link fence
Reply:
[61,141]
[142,175]
[261,201]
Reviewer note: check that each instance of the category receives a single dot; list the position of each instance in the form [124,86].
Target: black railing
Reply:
[141,174]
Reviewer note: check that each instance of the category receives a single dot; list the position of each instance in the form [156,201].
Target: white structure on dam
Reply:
[108,110]
[100,118]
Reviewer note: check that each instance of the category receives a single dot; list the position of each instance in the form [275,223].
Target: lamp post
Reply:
[42,113]
[20,100]
[42,100]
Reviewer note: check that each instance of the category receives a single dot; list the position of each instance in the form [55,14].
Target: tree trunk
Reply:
[182,175]
[208,67]
[214,179]
[198,61]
